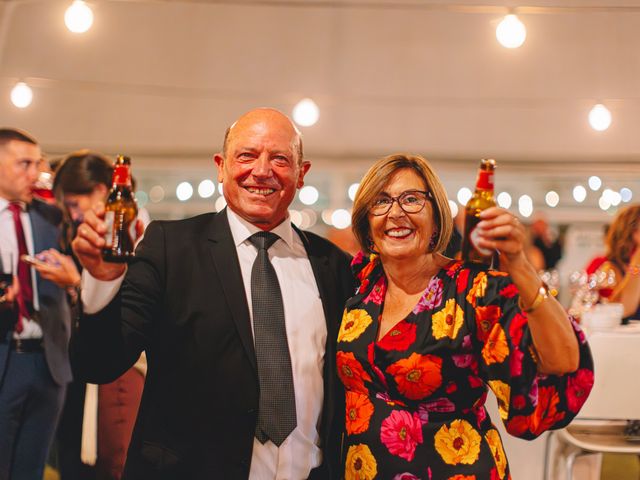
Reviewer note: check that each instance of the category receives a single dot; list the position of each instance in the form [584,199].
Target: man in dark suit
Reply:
[192,299]
[34,335]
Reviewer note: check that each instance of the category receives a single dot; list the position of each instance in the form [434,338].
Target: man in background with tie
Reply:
[34,335]
[238,312]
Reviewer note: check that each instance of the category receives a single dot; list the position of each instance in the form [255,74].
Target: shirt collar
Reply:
[241,230]
[4,205]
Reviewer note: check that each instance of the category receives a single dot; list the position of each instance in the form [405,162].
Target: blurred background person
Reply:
[82,179]
[623,259]
[546,240]
[34,361]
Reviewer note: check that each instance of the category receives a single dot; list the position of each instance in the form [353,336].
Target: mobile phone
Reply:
[33,261]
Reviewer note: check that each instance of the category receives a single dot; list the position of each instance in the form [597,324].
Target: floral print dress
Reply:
[415,398]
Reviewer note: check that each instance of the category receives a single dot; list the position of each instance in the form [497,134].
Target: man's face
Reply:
[19,168]
[260,170]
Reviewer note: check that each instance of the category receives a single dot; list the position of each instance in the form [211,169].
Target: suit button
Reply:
[251,411]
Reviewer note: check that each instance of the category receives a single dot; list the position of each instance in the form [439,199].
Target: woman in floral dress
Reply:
[425,336]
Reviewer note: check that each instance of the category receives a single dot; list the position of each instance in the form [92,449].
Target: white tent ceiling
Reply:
[161,80]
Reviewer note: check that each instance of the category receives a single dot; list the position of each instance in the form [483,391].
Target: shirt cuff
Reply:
[96,294]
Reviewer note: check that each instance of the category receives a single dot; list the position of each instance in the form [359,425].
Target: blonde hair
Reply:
[619,240]
[377,178]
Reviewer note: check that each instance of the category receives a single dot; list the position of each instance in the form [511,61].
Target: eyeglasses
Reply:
[411,201]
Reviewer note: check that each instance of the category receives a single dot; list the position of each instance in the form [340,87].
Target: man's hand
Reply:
[88,244]
[58,268]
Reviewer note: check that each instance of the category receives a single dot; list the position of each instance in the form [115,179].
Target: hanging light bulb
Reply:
[78,18]
[511,32]
[306,113]
[21,95]
[599,117]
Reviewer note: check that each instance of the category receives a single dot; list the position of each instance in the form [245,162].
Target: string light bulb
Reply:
[599,117]
[78,18]
[306,112]
[21,95]
[511,32]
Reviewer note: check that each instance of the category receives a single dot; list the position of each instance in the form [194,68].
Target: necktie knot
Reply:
[263,240]
[15,208]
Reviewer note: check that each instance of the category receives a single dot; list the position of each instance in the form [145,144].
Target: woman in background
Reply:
[83,179]
[623,259]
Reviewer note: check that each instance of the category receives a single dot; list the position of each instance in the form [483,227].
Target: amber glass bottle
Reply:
[481,199]
[120,216]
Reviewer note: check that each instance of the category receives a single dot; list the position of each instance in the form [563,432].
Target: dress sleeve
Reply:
[529,402]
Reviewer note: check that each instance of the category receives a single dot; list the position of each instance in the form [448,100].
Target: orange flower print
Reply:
[495,445]
[417,376]
[361,464]
[545,416]
[447,322]
[462,477]
[351,372]
[486,318]
[478,288]
[354,322]
[458,443]
[502,391]
[495,349]
[359,412]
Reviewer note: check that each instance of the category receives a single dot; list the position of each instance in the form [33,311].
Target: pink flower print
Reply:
[432,297]
[377,293]
[466,343]
[406,476]
[515,362]
[441,405]
[462,361]
[401,432]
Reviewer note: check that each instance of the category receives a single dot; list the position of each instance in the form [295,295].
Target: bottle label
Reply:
[474,236]
[485,180]
[109,217]
[121,175]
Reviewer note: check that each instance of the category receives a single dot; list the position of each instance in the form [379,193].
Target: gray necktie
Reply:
[277,408]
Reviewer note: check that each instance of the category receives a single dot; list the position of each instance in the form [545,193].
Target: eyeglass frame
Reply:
[428,198]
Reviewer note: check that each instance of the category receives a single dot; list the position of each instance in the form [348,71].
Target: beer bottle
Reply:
[121,212]
[481,199]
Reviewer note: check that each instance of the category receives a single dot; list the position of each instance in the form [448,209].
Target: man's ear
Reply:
[304,168]
[219,159]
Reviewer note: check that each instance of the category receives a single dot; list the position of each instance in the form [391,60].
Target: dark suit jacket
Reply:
[183,301]
[54,308]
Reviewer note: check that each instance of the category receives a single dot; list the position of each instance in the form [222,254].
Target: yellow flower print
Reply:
[361,465]
[354,322]
[458,443]
[495,445]
[447,322]
[478,288]
[495,348]
[502,391]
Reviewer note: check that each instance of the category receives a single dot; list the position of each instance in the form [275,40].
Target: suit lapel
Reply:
[225,260]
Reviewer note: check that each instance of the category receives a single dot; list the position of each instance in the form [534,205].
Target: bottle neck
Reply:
[121,176]
[484,182]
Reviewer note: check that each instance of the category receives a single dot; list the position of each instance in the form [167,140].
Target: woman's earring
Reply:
[372,246]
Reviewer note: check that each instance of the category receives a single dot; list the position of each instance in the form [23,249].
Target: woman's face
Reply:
[78,203]
[399,235]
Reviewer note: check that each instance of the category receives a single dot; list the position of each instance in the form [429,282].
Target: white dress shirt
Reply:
[9,254]
[306,335]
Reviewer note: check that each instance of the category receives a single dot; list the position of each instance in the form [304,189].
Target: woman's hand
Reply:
[58,268]
[501,230]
